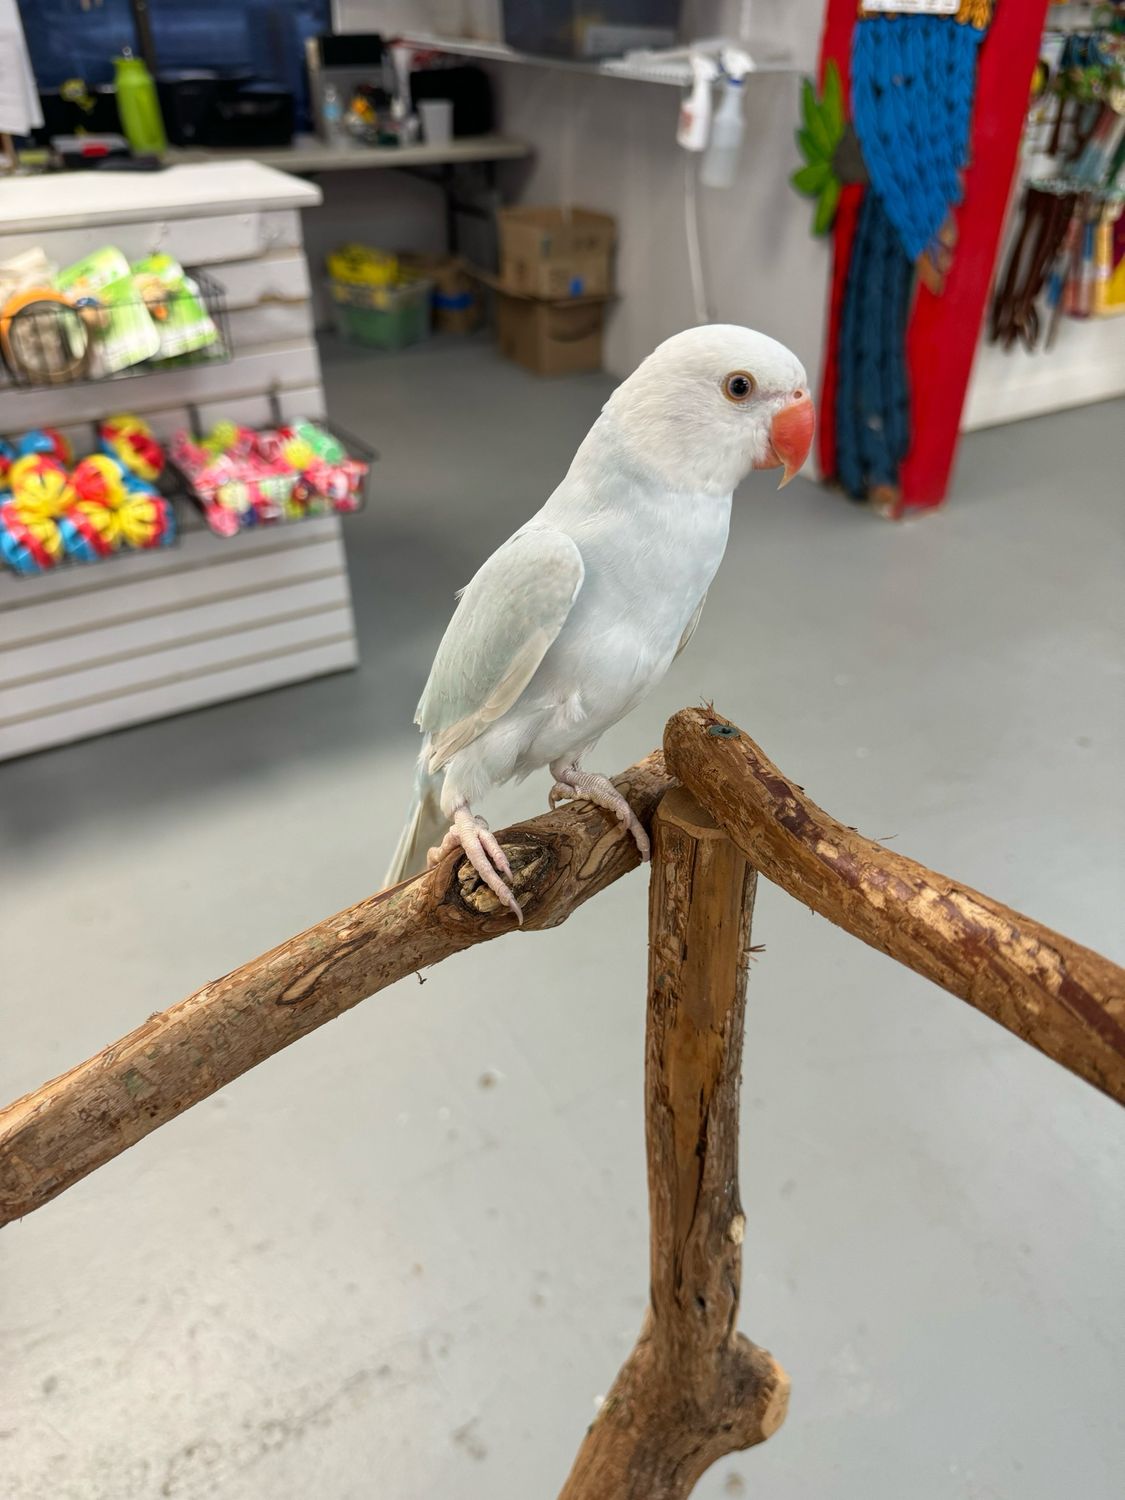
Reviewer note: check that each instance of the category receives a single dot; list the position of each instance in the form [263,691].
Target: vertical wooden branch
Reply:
[693,1389]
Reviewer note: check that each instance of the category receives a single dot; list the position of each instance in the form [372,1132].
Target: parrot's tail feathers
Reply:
[424,827]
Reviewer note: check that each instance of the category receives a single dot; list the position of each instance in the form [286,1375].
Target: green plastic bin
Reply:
[382,317]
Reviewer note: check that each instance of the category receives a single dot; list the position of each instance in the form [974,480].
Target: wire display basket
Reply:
[50,337]
[241,477]
[59,512]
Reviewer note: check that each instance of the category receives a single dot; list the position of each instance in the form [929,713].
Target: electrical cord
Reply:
[694,243]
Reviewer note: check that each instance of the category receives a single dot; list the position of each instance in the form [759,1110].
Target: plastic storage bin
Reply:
[585,29]
[382,317]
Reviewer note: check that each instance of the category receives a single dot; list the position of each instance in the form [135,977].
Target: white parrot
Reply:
[577,616]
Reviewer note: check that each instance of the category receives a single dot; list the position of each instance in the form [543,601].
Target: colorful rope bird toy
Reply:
[130,441]
[40,488]
[99,480]
[90,530]
[46,440]
[102,506]
[29,545]
[146,520]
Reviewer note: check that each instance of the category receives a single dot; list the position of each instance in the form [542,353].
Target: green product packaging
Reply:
[182,321]
[122,332]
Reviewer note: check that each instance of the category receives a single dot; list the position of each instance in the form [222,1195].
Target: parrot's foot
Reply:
[571,782]
[482,849]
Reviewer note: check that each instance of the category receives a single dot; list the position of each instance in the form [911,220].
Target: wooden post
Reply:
[693,1388]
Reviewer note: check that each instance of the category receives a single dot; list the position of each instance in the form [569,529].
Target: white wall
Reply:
[1087,363]
[609,144]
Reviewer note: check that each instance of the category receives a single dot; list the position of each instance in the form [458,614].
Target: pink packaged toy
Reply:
[243,477]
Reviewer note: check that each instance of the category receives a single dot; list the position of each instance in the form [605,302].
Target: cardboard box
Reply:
[556,252]
[456,302]
[550,336]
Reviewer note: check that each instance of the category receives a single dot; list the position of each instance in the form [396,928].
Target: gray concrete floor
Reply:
[360,1271]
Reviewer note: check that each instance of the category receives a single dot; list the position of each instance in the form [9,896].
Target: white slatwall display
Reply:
[1087,363]
[89,648]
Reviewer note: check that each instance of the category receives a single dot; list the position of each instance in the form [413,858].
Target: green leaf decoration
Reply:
[809,149]
[814,122]
[832,100]
[818,138]
[812,178]
[826,207]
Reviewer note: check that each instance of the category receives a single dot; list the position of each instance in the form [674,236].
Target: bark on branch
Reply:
[693,1389]
[53,1137]
[1062,998]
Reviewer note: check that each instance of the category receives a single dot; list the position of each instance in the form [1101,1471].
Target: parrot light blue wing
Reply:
[505,623]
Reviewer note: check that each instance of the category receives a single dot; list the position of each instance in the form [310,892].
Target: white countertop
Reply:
[62,200]
[308,153]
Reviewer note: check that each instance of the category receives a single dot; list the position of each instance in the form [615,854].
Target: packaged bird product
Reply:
[121,328]
[175,305]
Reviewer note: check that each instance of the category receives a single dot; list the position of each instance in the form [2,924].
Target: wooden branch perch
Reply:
[693,1388]
[1066,1000]
[53,1137]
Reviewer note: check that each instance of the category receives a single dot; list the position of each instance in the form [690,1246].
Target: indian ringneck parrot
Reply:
[575,618]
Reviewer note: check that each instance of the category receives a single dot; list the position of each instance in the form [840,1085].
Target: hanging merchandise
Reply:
[103,317]
[909,164]
[1109,287]
[1066,256]
[53,510]
[242,477]
[1043,244]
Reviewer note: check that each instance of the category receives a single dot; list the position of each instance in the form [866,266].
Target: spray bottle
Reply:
[720,165]
[407,125]
[695,111]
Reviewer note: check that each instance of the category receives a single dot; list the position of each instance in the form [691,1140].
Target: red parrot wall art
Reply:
[909,150]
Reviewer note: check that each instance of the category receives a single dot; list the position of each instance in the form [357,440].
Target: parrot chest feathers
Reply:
[645,577]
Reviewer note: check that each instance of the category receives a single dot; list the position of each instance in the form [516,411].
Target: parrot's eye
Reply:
[738,387]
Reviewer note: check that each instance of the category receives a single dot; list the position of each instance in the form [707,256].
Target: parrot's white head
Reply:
[712,403]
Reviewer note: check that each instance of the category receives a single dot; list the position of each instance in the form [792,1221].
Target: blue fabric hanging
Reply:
[912,80]
[912,99]
[872,394]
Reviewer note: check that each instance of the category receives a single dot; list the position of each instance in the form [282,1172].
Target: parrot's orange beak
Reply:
[791,435]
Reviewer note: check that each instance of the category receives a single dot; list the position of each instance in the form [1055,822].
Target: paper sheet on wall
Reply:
[19,96]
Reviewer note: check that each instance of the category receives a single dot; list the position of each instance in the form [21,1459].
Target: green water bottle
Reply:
[138,106]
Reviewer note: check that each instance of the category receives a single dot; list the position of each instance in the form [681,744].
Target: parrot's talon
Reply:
[571,782]
[495,851]
[482,849]
[560,792]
